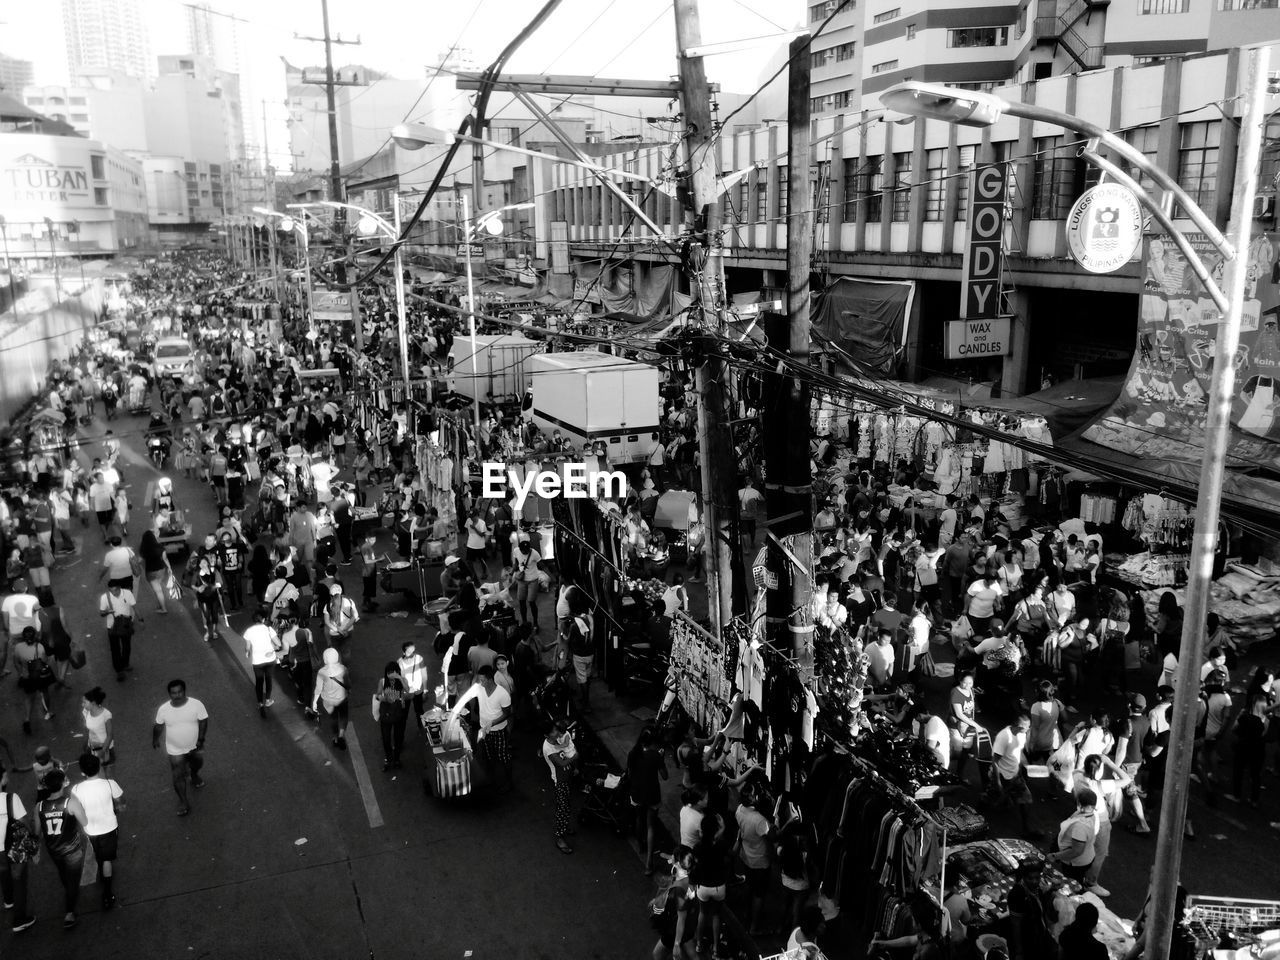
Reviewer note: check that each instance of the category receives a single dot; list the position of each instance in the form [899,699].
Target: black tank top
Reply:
[62,834]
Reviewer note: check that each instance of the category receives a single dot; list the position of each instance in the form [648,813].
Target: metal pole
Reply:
[402,320]
[57,275]
[1173,808]
[306,278]
[471,315]
[8,269]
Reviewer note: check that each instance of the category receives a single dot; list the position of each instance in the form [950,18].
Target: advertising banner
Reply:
[331,304]
[980,289]
[1161,411]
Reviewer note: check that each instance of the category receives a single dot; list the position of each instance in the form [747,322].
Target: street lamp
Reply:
[8,269]
[57,277]
[370,224]
[412,136]
[263,214]
[299,225]
[981,109]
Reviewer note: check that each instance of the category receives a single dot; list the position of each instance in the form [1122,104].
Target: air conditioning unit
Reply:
[831,7]
[1264,207]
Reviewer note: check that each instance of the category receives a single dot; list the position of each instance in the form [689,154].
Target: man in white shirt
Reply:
[281,595]
[657,460]
[927,586]
[477,542]
[413,670]
[947,520]
[19,610]
[932,731]
[102,498]
[749,500]
[880,658]
[102,799]
[183,722]
[263,647]
[494,705]
[117,607]
[1008,782]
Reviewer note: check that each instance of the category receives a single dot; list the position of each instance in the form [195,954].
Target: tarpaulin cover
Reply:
[1159,416]
[650,291]
[867,319]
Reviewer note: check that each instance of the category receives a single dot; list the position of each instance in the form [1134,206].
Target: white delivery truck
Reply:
[594,397]
[497,371]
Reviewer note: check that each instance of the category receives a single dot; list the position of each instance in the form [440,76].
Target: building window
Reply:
[901,187]
[817,12]
[841,100]
[819,60]
[215,169]
[57,102]
[79,118]
[77,101]
[820,177]
[887,15]
[1198,161]
[1145,141]
[189,167]
[100,196]
[762,196]
[509,135]
[1248,4]
[97,167]
[885,67]
[863,185]
[744,199]
[935,184]
[964,171]
[845,52]
[978,37]
[1056,179]
[1150,7]
[784,177]
[817,104]
[911,31]
[35,101]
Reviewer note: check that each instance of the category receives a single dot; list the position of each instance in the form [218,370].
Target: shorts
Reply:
[218,481]
[104,845]
[1016,790]
[38,576]
[582,667]
[711,894]
[758,880]
[475,554]
[104,516]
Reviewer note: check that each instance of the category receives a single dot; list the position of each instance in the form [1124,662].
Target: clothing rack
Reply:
[892,790]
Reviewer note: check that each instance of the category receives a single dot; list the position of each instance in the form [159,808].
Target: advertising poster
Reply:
[1160,414]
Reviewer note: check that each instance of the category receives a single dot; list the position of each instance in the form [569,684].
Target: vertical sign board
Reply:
[980,285]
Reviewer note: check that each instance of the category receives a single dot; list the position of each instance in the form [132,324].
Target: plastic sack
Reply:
[1062,765]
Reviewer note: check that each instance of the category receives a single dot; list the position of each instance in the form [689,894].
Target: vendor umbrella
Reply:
[673,510]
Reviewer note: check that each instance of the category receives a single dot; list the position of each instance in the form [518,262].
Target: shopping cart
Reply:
[607,801]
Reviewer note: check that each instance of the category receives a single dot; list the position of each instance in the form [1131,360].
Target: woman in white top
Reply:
[984,595]
[675,597]
[1093,737]
[526,565]
[99,738]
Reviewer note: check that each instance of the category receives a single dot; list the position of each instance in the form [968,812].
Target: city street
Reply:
[294,849]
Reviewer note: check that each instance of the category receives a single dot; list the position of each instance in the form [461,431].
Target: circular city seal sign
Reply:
[1104,228]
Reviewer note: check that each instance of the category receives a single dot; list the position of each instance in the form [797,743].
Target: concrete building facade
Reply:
[106,34]
[897,204]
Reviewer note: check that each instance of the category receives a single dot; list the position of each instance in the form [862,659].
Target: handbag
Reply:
[172,588]
[78,658]
[20,844]
[1062,765]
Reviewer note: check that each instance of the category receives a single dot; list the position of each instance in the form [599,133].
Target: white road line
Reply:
[235,642]
[146,500]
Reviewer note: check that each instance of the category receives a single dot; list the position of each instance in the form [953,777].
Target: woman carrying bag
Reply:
[391,710]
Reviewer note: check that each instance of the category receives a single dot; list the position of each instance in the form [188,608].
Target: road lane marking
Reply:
[291,722]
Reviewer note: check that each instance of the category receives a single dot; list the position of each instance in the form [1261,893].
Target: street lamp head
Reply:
[492,226]
[367,227]
[287,223]
[412,136]
[267,212]
[933,101]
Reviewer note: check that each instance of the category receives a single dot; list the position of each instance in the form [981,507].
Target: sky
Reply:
[629,38]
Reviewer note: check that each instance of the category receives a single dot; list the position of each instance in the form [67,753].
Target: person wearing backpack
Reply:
[15,829]
[32,661]
[391,710]
[218,475]
[330,694]
[340,618]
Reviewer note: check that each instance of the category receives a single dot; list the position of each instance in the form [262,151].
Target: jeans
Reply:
[235,589]
[392,724]
[1249,756]
[121,649]
[13,884]
[262,681]
[69,871]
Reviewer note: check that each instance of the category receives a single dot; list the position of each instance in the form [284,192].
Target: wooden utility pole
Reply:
[336,191]
[702,216]
[788,481]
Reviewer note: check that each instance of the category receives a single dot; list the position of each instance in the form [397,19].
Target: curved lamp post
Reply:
[983,109]
[298,225]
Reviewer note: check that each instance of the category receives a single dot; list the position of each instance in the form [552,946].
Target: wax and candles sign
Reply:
[980,289]
[966,339]
[1161,411]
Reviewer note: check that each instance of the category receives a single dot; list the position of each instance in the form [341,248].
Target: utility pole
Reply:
[725,580]
[1186,702]
[269,201]
[336,191]
[788,481]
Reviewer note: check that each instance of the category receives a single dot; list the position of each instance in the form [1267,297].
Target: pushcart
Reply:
[448,766]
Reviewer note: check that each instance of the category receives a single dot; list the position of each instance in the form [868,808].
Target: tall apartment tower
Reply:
[106,34]
[836,57]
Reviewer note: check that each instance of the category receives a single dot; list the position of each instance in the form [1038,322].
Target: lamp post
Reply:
[53,252]
[978,109]
[8,269]
[264,215]
[298,225]
[368,225]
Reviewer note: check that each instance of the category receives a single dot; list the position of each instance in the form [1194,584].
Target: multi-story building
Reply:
[92,193]
[836,56]
[105,105]
[982,45]
[15,74]
[897,202]
[106,34]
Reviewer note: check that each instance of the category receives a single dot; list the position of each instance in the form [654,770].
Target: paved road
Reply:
[294,850]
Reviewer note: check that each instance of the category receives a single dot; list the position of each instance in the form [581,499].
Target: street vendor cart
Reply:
[448,767]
